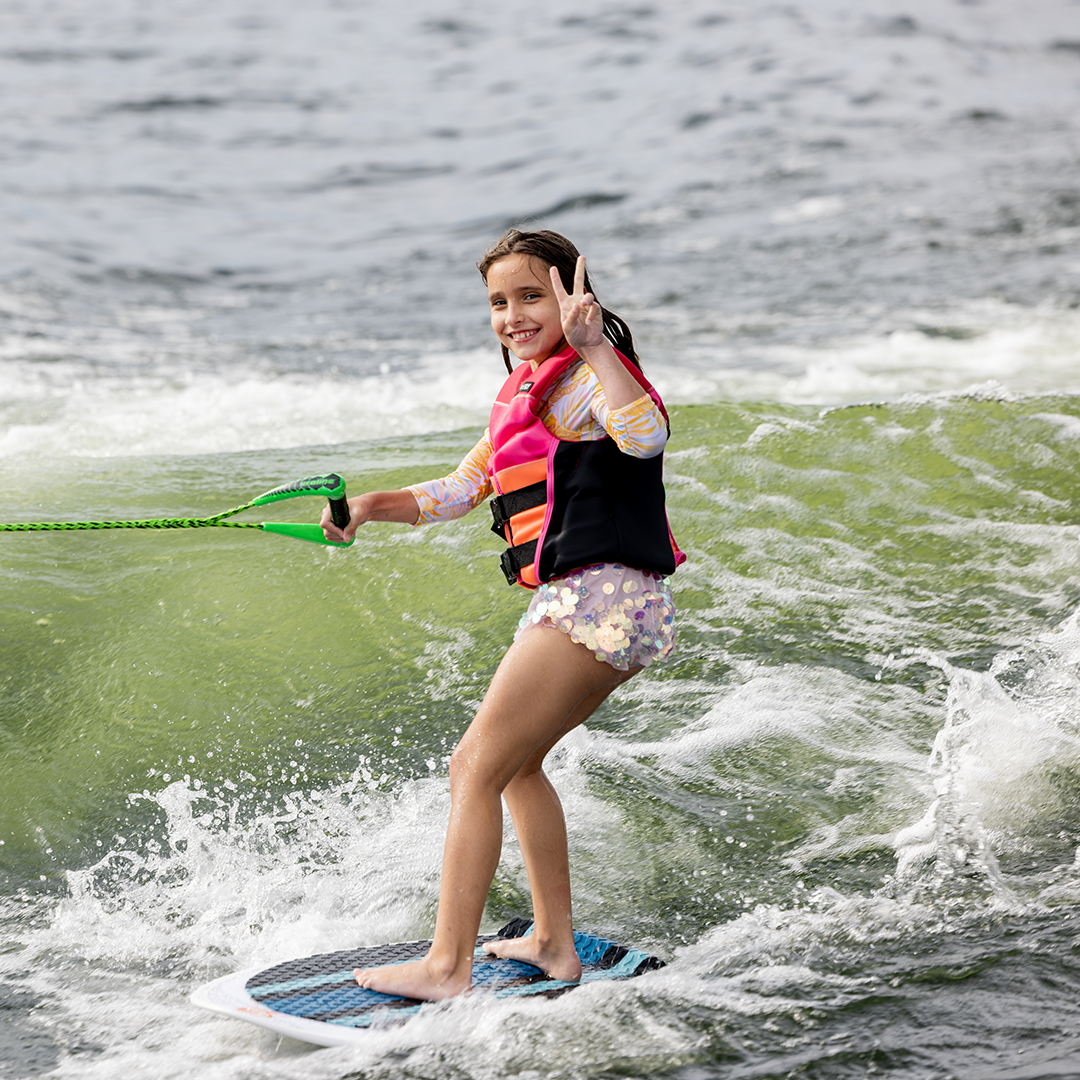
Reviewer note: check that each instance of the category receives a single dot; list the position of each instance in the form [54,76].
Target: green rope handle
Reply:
[330,486]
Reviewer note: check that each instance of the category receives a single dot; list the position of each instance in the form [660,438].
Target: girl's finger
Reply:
[556,283]
[579,276]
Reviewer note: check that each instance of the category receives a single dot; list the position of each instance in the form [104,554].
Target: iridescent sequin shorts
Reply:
[625,616]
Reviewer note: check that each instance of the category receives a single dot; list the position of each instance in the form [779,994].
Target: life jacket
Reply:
[562,505]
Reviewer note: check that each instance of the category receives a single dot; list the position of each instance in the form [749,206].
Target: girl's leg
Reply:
[541,830]
[537,694]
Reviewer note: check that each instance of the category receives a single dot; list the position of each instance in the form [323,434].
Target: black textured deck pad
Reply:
[323,988]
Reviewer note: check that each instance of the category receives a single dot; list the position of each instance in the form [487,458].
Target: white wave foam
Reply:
[50,415]
[988,348]
[63,409]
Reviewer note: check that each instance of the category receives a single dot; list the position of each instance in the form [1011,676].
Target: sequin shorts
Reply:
[626,617]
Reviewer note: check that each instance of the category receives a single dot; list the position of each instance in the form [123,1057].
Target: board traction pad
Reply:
[323,988]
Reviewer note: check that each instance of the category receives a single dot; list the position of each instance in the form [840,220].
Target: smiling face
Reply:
[524,310]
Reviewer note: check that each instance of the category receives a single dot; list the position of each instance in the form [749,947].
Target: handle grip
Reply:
[339,510]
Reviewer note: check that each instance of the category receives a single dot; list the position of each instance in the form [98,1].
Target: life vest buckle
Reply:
[515,559]
[506,506]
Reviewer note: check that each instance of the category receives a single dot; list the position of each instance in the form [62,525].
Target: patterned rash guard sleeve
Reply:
[578,412]
[638,428]
[455,495]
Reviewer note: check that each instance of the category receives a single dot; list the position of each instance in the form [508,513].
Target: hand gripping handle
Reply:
[329,485]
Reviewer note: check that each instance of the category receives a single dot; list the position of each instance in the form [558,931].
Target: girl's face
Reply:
[525,312]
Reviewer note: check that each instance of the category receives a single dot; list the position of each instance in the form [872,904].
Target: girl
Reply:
[573,455]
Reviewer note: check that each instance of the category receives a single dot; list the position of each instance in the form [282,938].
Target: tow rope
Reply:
[330,486]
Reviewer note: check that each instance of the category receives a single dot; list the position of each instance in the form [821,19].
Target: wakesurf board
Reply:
[317,1000]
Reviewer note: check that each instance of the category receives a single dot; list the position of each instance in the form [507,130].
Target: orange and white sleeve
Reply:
[639,429]
[455,495]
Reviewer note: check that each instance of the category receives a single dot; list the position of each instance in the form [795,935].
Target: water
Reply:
[238,249]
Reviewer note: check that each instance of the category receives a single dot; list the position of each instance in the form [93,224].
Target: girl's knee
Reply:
[469,771]
[460,765]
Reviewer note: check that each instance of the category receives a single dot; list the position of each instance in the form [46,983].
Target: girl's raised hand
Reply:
[582,321]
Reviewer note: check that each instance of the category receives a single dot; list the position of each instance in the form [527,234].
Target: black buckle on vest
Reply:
[504,507]
[515,559]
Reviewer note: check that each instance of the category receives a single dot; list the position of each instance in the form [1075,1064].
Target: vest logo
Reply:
[525,387]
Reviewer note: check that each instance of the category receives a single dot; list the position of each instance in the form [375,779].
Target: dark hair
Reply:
[555,250]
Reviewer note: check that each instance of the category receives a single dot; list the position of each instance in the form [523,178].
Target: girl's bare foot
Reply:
[555,961]
[421,979]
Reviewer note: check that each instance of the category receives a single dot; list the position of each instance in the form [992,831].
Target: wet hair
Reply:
[553,249]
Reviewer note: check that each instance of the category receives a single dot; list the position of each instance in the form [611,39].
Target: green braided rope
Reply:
[152,523]
[330,486]
[146,523]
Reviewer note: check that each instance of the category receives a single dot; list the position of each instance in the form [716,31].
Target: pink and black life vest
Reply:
[562,505]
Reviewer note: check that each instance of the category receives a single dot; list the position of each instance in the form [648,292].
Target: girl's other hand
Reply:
[582,321]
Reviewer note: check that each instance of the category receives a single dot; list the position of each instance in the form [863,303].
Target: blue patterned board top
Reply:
[323,988]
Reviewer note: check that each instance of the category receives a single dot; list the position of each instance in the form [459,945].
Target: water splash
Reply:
[225,887]
[1000,766]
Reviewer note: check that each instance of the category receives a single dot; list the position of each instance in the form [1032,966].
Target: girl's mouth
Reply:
[523,335]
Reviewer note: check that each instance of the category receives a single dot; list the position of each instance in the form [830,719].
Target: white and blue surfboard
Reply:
[317,1000]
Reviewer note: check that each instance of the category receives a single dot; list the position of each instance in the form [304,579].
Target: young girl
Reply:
[573,455]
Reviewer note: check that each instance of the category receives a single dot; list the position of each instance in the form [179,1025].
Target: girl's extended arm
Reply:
[436,500]
[455,495]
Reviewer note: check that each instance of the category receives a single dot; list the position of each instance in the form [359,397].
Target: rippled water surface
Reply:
[238,248]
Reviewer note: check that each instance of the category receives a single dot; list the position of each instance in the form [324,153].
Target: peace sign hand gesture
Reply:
[583,328]
[582,320]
